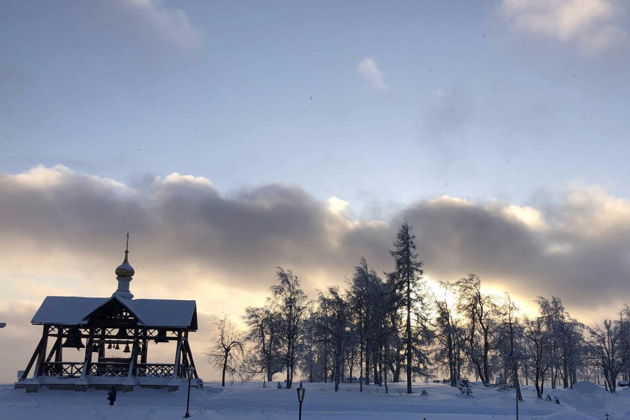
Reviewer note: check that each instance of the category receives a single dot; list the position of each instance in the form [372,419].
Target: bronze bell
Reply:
[122,333]
[161,337]
[126,350]
[110,345]
[117,347]
[74,339]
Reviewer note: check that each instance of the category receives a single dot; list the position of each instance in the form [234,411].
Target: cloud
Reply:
[184,227]
[171,23]
[62,233]
[368,69]
[448,113]
[591,25]
[443,126]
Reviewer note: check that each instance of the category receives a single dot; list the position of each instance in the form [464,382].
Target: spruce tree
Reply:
[406,277]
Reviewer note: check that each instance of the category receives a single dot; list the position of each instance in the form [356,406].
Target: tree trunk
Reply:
[397,367]
[325,364]
[451,359]
[269,372]
[385,372]
[338,368]
[377,380]
[350,368]
[361,365]
[367,364]
[409,390]
[486,350]
[225,360]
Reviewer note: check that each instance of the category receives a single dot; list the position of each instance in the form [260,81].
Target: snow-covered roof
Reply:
[72,310]
[66,310]
[165,313]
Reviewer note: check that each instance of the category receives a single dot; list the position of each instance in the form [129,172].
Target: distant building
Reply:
[114,336]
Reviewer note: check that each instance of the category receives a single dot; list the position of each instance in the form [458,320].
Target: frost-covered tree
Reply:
[288,302]
[333,321]
[382,328]
[450,338]
[554,316]
[537,346]
[264,336]
[309,348]
[406,279]
[480,312]
[606,350]
[227,352]
[361,303]
[624,341]
[509,344]
[566,349]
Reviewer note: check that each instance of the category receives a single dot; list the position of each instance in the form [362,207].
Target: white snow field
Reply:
[250,401]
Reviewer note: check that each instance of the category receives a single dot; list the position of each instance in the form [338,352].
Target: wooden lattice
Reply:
[162,370]
[112,312]
[62,369]
[109,369]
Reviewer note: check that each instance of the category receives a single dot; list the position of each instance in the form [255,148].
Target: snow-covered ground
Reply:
[251,401]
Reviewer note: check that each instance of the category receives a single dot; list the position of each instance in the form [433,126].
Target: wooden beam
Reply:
[59,353]
[101,345]
[88,354]
[42,351]
[134,353]
[145,350]
[177,354]
[192,361]
[185,356]
[54,350]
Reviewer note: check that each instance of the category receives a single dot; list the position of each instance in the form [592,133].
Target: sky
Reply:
[231,137]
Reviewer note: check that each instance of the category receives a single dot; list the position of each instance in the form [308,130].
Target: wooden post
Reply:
[88,353]
[101,344]
[42,351]
[59,353]
[192,361]
[54,349]
[177,354]
[134,354]
[145,350]
[185,362]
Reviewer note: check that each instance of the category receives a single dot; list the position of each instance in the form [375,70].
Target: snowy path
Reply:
[250,401]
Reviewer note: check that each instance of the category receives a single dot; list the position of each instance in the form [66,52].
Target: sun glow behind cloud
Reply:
[62,233]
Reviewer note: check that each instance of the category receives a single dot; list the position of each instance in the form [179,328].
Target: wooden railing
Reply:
[74,369]
[62,369]
[109,369]
[161,370]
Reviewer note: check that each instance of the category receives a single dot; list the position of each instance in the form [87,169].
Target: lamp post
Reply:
[300,394]
[191,371]
[515,358]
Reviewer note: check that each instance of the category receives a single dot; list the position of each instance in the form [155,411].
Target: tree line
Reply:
[390,327]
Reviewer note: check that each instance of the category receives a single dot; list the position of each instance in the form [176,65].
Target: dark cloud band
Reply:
[576,248]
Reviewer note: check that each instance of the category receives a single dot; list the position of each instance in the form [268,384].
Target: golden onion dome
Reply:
[125,269]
